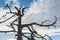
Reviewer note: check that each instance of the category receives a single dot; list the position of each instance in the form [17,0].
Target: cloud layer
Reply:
[39,11]
[43,10]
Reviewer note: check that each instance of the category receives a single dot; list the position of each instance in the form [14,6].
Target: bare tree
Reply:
[33,33]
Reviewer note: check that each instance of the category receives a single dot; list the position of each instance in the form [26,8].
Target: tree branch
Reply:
[8,7]
[7,19]
[49,37]
[44,21]
[7,31]
[12,24]
[22,10]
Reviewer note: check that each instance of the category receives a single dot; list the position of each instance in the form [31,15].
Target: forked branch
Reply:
[7,19]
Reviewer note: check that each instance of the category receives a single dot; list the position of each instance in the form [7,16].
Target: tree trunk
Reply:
[19,29]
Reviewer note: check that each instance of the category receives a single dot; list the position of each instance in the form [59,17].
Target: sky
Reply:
[36,11]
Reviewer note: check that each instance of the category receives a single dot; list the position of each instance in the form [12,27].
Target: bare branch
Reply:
[12,24]
[44,21]
[7,19]
[8,7]
[25,36]
[29,29]
[40,36]
[54,21]
[26,25]
[10,10]
[12,13]
[48,27]
[48,37]
[15,24]
[32,27]
[33,33]
[52,24]
[22,11]
[16,8]
[29,38]
[4,15]
[7,31]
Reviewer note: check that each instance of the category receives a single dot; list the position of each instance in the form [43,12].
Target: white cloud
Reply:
[53,34]
[15,3]
[3,26]
[11,39]
[48,31]
[43,10]
[42,31]
[39,11]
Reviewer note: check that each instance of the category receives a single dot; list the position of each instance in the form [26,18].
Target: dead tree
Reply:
[20,14]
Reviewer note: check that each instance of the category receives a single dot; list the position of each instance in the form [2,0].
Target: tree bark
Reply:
[19,29]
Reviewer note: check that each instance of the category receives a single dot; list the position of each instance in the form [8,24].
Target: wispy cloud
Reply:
[39,11]
[43,10]
[11,39]
[13,3]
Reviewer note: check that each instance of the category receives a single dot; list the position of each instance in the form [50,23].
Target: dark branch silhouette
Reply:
[8,7]
[33,33]
[7,19]
[52,24]
[49,37]
[22,11]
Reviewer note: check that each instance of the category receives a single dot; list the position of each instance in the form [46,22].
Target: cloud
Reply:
[43,10]
[49,32]
[14,3]
[11,39]
[3,26]
[38,12]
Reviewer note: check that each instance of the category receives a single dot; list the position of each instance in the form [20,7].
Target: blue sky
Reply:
[40,9]
[25,3]
[6,36]
[2,3]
